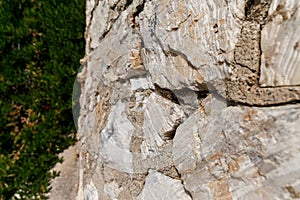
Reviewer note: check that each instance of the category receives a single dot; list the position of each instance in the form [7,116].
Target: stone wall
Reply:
[190,99]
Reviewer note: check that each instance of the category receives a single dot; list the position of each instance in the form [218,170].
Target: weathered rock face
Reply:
[189,99]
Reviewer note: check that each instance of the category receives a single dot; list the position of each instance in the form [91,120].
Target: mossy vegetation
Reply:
[41,42]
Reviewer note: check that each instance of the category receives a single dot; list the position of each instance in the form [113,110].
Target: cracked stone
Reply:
[159,186]
[182,99]
[281,46]
[160,118]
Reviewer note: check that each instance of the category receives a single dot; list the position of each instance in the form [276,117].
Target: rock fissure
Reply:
[234,103]
[166,93]
[194,105]
[185,190]
[251,41]
[138,10]
[169,135]
[90,22]
[173,52]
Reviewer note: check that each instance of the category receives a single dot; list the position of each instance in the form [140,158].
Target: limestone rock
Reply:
[257,141]
[281,45]
[160,120]
[186,146]
[187,99]
[112,190]
[90,192]
[159,186]
[115,140]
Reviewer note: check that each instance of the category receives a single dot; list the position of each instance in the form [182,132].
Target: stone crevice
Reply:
[248,55]
[181,112]
[245,104]
[182,182]
[89,24]
[138,10]
[174,53]
[166,93]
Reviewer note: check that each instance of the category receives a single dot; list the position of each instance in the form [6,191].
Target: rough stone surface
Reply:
[188,99]
[168,188]
[280,45]
[250,156]
[117,135]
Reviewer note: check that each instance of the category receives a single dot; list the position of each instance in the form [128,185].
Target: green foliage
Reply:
[41,43]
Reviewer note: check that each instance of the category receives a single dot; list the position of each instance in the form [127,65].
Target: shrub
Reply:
[41,43]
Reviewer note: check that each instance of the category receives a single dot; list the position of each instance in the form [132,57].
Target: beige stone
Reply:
[187,99]
[281,45]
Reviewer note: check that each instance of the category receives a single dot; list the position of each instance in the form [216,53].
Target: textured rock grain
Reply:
[281,45]
[186,99]
[167,187]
